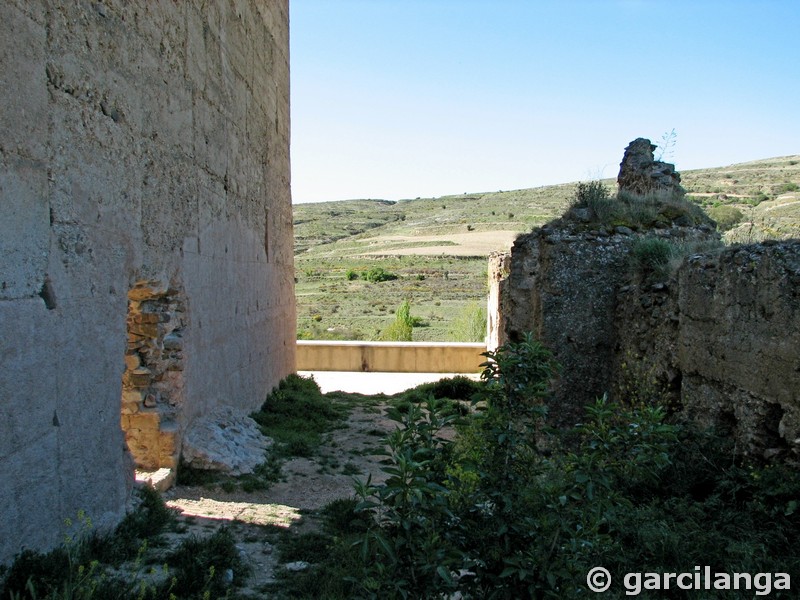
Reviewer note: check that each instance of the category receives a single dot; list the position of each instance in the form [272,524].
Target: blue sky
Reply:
[416,98]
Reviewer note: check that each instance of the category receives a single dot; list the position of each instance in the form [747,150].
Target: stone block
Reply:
[145,330]
[24,229]
[140,378]
[132,361]
[24,119]
[146,318]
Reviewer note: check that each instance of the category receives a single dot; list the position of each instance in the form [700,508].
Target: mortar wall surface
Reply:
[139,142]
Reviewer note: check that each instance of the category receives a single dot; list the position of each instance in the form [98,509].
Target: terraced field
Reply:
[438,247]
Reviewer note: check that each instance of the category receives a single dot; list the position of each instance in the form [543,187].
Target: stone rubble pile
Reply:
[225,440]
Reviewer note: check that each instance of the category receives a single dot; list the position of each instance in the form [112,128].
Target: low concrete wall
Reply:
[390,357]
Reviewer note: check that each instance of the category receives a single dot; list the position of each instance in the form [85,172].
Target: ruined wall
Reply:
[717,341]
[562,287]
[739,341]
[143,146]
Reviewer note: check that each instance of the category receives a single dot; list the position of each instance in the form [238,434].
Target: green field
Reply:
[438,247]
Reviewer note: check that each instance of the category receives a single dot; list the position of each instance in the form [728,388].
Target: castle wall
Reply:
[716,342]
[143,146]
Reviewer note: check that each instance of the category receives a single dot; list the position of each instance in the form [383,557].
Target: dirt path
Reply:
[309,485]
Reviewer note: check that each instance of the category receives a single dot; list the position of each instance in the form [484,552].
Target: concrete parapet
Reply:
[390,357]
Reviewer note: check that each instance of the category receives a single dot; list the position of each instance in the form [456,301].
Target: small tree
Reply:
[470,324]
[401,329]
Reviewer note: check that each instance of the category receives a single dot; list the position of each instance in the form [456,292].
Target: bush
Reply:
[84,566]
[596,197]
[727,217]
[470,324]
[200,566]
[378,274]
[490,516]
[401,330]
[296,415]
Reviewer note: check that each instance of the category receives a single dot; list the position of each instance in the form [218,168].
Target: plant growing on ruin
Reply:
[594,196]
[667,146]
[650,258]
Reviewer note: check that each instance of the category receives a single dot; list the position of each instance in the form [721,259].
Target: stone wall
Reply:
[146,240]
[717,341]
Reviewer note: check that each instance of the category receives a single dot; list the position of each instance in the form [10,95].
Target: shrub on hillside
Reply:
[378,274]
[470,324]
[401,329]
[727,217]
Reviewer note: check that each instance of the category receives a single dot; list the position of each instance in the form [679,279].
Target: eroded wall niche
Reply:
[153,385]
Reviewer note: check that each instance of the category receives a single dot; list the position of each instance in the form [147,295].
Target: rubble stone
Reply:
[225,440]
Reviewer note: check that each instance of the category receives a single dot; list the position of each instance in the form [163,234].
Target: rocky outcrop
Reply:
[640,173]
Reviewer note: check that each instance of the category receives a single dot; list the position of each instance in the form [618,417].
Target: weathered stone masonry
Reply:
[146,271]
[719,340]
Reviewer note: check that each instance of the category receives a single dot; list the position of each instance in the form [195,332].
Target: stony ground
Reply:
[309,484]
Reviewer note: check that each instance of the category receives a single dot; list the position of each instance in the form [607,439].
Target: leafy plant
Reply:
[378,274]
[401,330]
[511,510]
[296,415]
[470,324]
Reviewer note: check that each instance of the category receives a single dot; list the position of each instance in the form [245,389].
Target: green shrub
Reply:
[654,259]
[378,274]
[401,330]
[470,324]
[490,516]
[83,566]
[727,217]
[651,257]
[295,415]
[200,566]
[636,211]
[596,197]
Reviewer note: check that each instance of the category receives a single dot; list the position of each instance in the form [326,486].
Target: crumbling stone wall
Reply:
[738,344]
[640,173]
[143,145]
[717,341]
[152,384]
[564,285]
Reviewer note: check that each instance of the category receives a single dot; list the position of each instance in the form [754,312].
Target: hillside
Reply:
[437,247]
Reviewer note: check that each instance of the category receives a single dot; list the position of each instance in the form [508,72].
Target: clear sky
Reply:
[416,98]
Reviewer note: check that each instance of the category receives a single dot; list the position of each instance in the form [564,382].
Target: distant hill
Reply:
[438,246]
